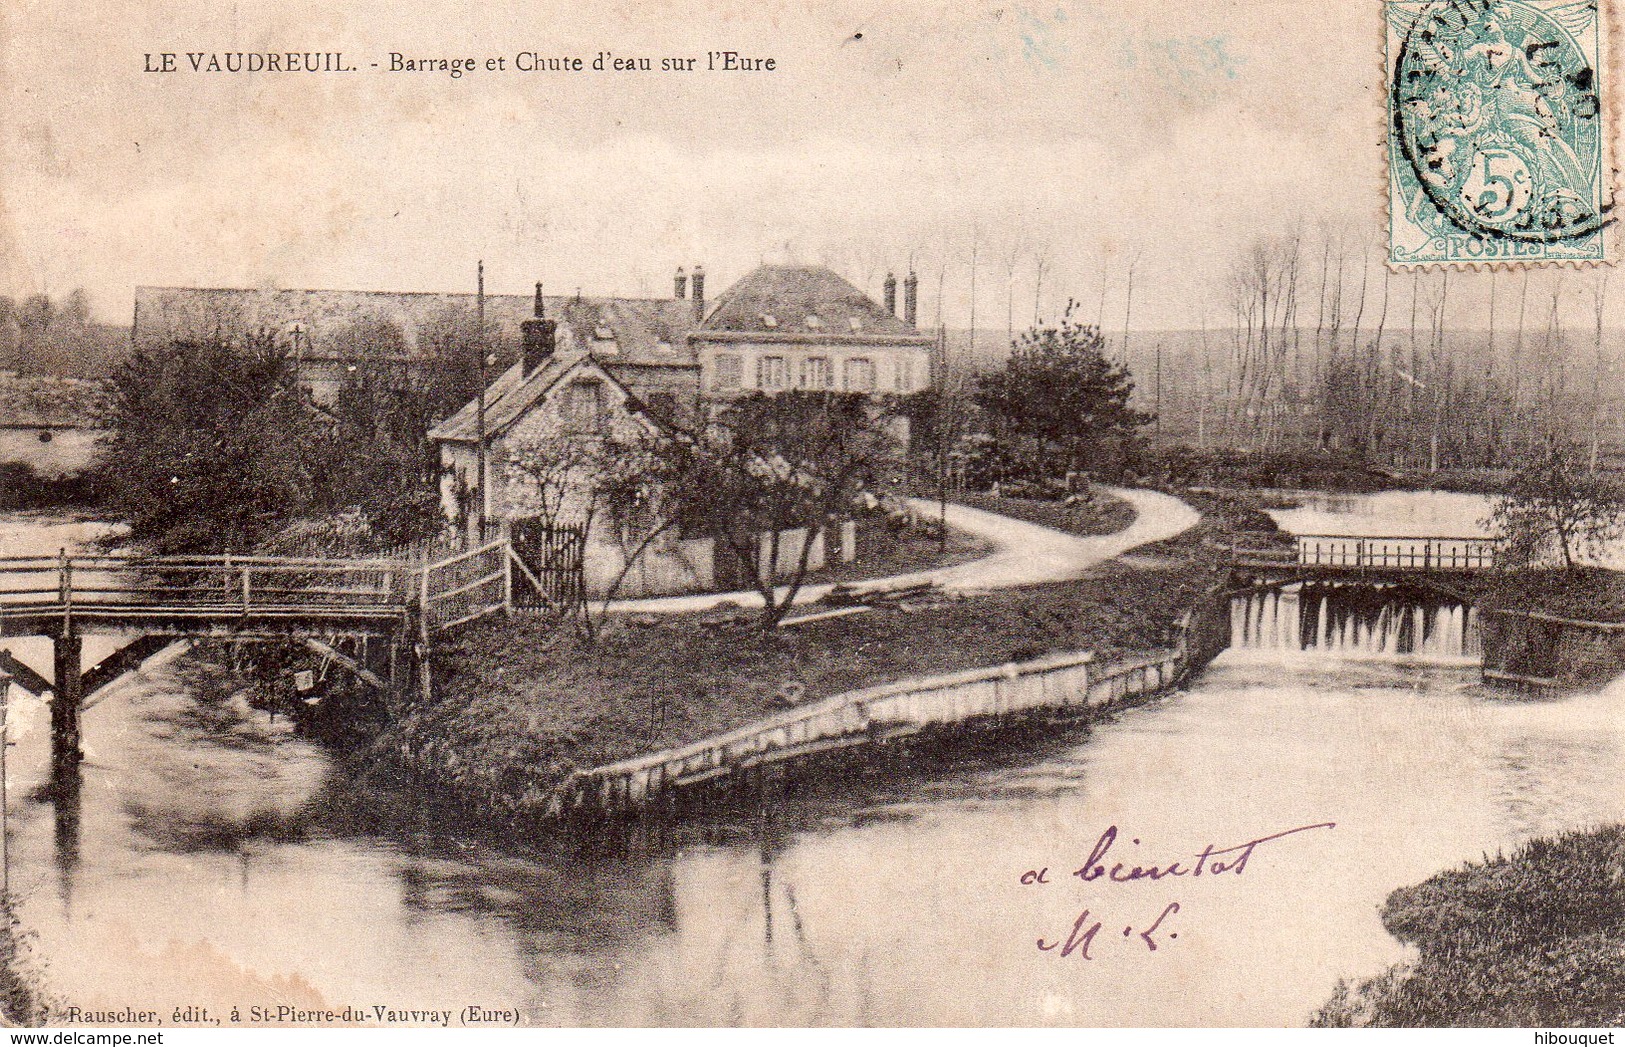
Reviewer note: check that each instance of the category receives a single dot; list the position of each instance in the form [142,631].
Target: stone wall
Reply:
[1544,650]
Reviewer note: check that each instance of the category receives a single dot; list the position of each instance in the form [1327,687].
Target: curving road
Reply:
[1026,553]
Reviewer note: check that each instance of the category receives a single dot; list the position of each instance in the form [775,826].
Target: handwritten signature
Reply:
[1082,935]
[1211,860]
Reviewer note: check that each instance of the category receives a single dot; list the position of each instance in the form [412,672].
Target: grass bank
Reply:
[1533,939]
[519,703]
[1595,594]
[23,1002]
[1098,514]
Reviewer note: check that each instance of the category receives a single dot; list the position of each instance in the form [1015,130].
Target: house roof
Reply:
[509,397]
[782,299]
[643,331]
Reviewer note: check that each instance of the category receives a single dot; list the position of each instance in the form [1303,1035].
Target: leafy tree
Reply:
[770,464]
[1060,394]
[615,482]
[212,446]
[1554,504]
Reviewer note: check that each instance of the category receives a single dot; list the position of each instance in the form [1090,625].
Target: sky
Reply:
[1162,136]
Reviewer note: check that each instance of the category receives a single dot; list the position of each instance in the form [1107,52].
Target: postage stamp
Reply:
[1497,138]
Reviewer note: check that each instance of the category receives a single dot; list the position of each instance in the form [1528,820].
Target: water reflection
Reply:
[213,858]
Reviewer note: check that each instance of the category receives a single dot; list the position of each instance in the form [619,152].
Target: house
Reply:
[780,327]
[615,367]
[787,327]
[565,394]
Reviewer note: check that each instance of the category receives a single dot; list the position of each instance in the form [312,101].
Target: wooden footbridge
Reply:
[1447,561]
[148,601]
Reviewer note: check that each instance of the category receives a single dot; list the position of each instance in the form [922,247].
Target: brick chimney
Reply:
[699,293]
[539,336]
[680,284]
[891,294]
[911,298]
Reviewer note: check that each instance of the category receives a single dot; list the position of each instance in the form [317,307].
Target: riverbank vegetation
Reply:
[23,489]
[213,445]
[23,1002]
[1592,594]
[1530,939]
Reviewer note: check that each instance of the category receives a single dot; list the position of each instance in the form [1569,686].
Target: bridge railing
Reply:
[466,586]
[1421,554]
[242,583]
[446,592]
[1450,553]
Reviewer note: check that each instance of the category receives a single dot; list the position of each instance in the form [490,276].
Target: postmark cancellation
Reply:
[1498,133]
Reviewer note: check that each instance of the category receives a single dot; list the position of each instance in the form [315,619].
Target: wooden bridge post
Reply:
[65,699]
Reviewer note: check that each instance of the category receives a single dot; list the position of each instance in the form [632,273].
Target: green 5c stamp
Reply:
[1497,138]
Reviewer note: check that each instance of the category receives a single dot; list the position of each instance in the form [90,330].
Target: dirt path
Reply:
[1027,553]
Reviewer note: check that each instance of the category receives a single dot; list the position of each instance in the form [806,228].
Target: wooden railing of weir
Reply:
[1377,553]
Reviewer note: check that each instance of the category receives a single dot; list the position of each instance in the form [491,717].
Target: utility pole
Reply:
[1158,409]
[5,807]
[479,411]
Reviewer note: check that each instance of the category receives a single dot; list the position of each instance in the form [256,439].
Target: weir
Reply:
[1374,620]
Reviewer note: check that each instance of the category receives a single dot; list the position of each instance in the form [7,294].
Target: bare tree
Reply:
[1040,267]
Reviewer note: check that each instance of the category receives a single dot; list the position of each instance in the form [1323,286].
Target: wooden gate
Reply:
[548,565]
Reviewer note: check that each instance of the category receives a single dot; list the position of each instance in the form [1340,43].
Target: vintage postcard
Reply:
[818,514]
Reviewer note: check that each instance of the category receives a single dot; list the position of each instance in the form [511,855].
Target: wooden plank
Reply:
[126,659]
[467,555]
[1502,676]
[839,612]
[23,676]
[475,584]
[442,627]
[345,660]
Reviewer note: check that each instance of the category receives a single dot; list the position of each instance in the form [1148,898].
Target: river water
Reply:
[204,864]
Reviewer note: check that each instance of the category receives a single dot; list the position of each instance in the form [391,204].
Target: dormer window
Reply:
[813,323]
[769,321]
[856,324]
[603,334]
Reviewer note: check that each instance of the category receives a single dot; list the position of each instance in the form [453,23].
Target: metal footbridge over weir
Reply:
[149,601]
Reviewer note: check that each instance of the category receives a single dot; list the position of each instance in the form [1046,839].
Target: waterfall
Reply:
[1380,621]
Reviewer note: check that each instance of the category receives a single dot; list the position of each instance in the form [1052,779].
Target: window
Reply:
[770,372]
[860,375]
[729,372]
[584,406]
[815,373]
[905,375]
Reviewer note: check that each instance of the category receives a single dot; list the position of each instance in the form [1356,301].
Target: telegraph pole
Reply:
[5,811]
[479,412]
